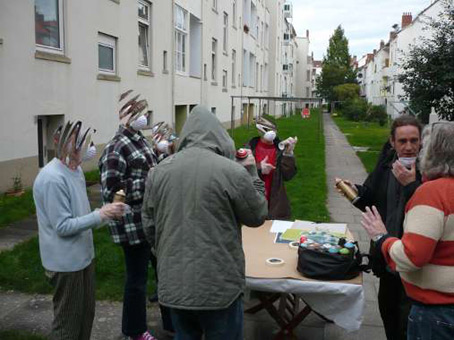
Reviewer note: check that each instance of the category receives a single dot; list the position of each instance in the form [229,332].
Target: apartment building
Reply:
[378,74]
[70,60]
[305,78]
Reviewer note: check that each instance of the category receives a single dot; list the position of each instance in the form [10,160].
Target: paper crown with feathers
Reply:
[70,137]
[162,131]
[264,125]
[132,109]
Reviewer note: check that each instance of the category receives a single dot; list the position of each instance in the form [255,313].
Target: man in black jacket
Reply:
[389,187]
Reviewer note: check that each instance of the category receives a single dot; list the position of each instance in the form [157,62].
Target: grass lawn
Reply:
[22,270]
[366,134]
[16,208]
[20,335]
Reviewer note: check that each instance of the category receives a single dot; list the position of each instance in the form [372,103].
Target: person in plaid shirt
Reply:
[124,165]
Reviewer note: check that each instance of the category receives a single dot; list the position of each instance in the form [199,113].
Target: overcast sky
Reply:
[365,22]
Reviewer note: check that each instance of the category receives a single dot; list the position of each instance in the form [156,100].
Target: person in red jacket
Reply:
[274,165]
[424,254]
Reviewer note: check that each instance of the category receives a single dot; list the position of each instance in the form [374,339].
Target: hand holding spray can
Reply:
[348,191]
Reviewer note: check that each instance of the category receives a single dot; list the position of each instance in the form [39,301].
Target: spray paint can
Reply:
[348,191]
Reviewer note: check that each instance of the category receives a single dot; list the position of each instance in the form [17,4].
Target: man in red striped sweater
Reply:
[424,256]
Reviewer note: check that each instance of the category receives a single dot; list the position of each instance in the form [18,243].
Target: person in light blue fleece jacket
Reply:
[65,221]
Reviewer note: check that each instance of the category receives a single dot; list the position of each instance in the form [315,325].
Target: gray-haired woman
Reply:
[424,256]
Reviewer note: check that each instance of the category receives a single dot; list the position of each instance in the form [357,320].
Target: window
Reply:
[308,92]
[213,110]
[225,32]
[214,46]
[256,83]
[49,25]
[257,23]
[224,79]
[308,75]
[204,71]
[107,46]
[215,5]
[263,34]
[233,67]
[181,33]
[164,61]
[267,35]
[245,68]
[234,13]
[144,17]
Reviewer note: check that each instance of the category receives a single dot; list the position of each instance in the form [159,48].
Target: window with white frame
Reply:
[49,25]
[215,5]
[225,33]
[224,79]
[233,67]
[181,36]
[262,41]
[107,54]
[144,18]
[234,13]
[214,47]
[245,68]
[267,35]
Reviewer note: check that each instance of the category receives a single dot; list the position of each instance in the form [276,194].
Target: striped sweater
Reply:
[425,254]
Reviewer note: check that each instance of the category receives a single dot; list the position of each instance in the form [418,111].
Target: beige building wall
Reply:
[36,84]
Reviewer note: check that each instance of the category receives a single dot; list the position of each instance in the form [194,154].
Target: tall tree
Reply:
[428,77]
[337,68]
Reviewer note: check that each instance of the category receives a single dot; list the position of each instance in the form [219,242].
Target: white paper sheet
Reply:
[280,226]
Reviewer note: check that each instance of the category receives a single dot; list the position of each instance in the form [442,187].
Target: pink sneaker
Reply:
[145,336]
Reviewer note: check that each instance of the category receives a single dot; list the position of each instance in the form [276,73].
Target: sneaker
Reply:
[145,336]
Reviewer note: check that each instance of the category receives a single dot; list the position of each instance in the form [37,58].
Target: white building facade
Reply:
[379,74]
[70,60]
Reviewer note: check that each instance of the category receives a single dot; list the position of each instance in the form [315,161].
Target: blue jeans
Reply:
[134,321]
[431,322]
[222,324]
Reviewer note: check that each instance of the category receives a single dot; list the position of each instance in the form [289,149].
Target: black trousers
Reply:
[394,306]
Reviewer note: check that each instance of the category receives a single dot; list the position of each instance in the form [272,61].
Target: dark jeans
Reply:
[134,321]
[394,306]
[222,324]
[431,322]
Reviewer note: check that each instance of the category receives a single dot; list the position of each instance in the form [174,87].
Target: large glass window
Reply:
[144,18]
[49,24]
[181,35]
[107,53]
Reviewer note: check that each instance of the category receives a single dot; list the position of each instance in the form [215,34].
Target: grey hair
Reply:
[437,154]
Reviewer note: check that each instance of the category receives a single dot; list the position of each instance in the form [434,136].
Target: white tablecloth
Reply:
[343,303]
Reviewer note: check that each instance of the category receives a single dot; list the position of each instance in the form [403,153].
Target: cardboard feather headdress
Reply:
[70,137]
[264,125]
[132,109]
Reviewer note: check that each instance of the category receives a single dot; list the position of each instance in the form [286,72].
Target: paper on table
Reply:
[280,226]
[305,225]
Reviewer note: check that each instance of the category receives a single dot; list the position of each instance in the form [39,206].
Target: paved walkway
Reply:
[34,312]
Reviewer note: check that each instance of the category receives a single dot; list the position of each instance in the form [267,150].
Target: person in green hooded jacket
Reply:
[195,204]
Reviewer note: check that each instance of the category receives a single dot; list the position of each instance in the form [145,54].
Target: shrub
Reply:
[377,113]
[346,92]
[355,109]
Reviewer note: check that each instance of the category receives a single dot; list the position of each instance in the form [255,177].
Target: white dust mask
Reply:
[407,161]
[140,123]
[90,154]
[269,136]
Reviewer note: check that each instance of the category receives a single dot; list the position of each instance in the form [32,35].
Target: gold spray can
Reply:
[120,196]
[348,191]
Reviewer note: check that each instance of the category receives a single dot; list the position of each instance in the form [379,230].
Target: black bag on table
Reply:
[322,265]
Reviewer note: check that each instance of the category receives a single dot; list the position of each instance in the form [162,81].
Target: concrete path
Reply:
[34,312]
[341,161]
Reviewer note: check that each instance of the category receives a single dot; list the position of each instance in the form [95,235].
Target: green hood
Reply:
[204,130]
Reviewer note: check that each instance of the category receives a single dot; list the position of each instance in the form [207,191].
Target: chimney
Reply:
[392,35]
[382,44]
[406,19]
[307,34]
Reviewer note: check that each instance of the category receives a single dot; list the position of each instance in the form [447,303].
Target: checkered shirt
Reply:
[124,164]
